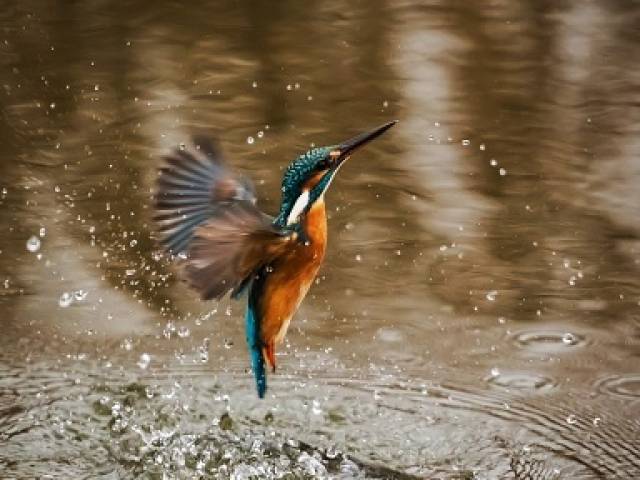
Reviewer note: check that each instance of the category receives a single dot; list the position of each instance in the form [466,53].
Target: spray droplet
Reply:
[491,296]
[33,244]
[65,299]
[80,295]
[127,344]
[145,360]
[250,140]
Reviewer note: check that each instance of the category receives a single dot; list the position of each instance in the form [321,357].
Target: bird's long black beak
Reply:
[345,149]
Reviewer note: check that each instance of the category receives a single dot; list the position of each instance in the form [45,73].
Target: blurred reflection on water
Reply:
[478,315]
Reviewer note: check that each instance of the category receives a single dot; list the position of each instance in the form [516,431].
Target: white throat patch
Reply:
[301,203]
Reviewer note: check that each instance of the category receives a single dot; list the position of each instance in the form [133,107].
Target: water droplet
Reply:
[133,243]
[65,300]
[569,339]
[331,452]
[385,104]
[183,332]
[289,86]
[495,372]
[493,162]
[148,391]
[127,344]
[466,143]
[203,350]
[168,329]
[260,134]
[596,421]
[254,84]
[250,140]
[145,360]
[491,296]
[358,258]
[33,244]
[572,420]
[482,147]
[228,343]
[80,295]
[503,172]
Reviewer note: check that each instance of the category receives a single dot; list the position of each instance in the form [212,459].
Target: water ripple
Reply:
[626,386]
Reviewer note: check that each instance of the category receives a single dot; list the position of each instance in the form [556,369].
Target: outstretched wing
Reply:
[192,185]
[233,244]
[208,212]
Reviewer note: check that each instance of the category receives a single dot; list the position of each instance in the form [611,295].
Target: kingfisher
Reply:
[206,216]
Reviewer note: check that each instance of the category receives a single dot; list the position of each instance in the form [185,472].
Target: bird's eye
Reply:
[328,161]
[323,164]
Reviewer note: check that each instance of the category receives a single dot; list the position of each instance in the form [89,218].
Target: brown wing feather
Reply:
[232,244]
[193,183]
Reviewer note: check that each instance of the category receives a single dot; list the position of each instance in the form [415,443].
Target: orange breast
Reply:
[286,286]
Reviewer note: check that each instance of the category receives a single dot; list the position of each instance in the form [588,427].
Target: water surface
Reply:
[478,313]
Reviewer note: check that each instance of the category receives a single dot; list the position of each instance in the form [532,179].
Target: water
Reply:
[478,313]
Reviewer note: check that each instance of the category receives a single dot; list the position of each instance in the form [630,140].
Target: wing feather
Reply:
[192,185]
[206,210]
[230,247]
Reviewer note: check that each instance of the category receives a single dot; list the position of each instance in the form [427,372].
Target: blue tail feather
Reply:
[252,328]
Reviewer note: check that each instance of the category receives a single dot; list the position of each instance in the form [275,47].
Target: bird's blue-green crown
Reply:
[295,176]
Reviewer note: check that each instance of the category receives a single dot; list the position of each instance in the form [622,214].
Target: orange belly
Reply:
[287,284]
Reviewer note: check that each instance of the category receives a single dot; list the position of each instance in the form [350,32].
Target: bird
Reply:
[206,217]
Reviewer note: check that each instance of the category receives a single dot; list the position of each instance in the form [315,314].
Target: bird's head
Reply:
[307,178]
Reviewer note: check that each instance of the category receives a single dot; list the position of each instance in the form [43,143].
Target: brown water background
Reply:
[478,313]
